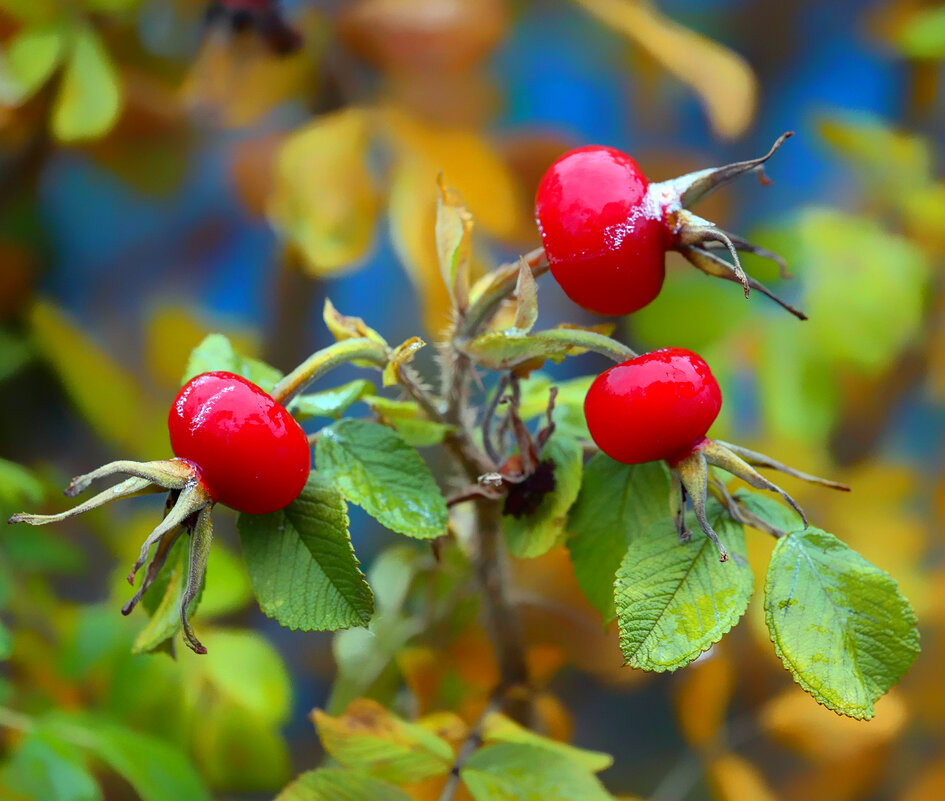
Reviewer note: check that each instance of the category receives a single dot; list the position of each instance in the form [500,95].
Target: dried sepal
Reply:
[201,537]
[693,472]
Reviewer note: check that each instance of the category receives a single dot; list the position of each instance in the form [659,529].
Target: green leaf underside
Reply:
[333,784]
[217,353]
[674,600]
[838,622]
[520,772]
[44,767]
[332,403]
[771,511]
[569,403]
[408,420]
[301,563]
[532,535]
[375,469]
[617,502]
[499,350]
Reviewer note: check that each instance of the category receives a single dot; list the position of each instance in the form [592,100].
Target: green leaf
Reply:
[674,600]
[239,751]
[165,617]
[302,565]
[375,469]
[453,231]
[771,511]
[19,489]
[227,588]
[500,729]
[369,738]
[155,769]
[14,352]
[43,767]
[568,413]
[31,56]
[526,300]
[331,403]
[520,772]
[216,352]
[332,784]
[89,99]
[923,36]
[244,667]
[505,350]
[617,503]
[408,419]
[536,533]
[6,642]
[838,623]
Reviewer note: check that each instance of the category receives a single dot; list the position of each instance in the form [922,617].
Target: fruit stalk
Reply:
[320,362]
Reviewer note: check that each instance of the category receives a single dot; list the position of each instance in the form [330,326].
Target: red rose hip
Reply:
[250,452]
[604,237]
[606,229]
[656,406]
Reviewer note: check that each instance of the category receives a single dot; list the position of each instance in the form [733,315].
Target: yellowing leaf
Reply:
[324,201]
[28,61]
[454,226]
[89,99]
[368,737]
[108,397]
[703,697]
[344,327]
[400,356]
[733,778]
[820,735]
[723,80]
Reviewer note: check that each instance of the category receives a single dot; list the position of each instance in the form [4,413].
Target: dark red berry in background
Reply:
[605,239]
[250,452]
[657,406]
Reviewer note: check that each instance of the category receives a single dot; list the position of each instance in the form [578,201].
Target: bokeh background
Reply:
[169,169]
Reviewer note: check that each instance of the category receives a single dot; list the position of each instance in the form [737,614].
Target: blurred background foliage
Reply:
[169,169]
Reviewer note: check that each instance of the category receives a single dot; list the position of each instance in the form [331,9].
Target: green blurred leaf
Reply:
[155,769]
[923,36]
[838,623]
[19,489]
[500,729]
[227,588]
[505,350]
[617,503]
[6,642]
[453,229]
[375,469]
[369,738]
[244,667]
[216,352]
[44,768]
[239,751]
[331,403]
[28,61]
[332,784]
[674,600]
[302,565]
[106,395]
[90,96]
[536,533]
[520,772]
[14,353]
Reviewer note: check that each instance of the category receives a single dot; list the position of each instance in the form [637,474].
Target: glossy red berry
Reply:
[657,406]
[250,452]
[603,234]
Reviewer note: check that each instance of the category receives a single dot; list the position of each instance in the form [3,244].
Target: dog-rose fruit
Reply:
[660,405]
[234,444]
[606,229]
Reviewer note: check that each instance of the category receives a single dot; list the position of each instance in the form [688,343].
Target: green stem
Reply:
[590,340]
[320,362]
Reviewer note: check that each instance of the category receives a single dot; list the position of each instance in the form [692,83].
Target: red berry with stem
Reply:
[606,229]
[250,452]
[656,406]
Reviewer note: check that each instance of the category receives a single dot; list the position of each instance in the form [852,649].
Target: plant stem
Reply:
[320,362]
[502,622]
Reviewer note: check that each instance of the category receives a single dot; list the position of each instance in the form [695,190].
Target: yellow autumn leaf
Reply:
[723,79]
[821,735]
[733,778]
[107,395]
[324,202]
[703,696]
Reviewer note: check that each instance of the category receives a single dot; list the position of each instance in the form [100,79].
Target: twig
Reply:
[472,742]
[488,418]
